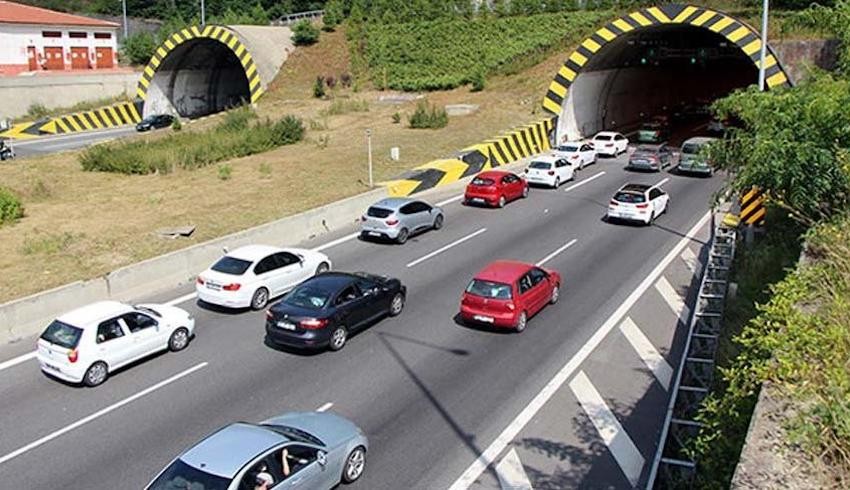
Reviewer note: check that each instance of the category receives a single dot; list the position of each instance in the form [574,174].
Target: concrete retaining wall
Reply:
[28,316]
[799,55]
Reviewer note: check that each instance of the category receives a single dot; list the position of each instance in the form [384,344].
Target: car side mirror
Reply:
[322,458]
[226,250]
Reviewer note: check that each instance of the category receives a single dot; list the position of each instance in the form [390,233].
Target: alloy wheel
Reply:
[323,267]
[179,339]
[397,304]
[260,299]
[521,322]
[555,294]
[355,465]
[96,374]
[338,338]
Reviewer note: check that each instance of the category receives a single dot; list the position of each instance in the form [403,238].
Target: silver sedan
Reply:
[398,218]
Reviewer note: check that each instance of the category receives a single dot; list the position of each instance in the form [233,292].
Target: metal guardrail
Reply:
[292,18]
[673,468]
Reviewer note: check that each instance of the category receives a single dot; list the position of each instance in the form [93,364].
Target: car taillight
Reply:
[392,222]
[231,287]
[73,355]
[574,157]
[609,144]
[642,206]
[200,280]
[510,306]
[614,203]
[362,218]
[313,323]
[551,172]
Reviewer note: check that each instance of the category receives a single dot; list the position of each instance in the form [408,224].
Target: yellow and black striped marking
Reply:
[123,114]
[514,145]
[752,207]
[735,31]
[221,34]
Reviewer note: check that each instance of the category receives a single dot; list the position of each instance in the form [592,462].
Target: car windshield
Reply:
[651,126]
[646,149]
[231,265]
[149,119]
[376,212]
[568,148]
[540,165]
[489,289]
[482,181]
[690,149]
[307,297]
[604,137]
[629,197]
[62,334]
[181,476]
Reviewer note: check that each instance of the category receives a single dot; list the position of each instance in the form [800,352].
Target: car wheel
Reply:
[355,463]
[323,267]
[557,183]
[502,201]
[525,192]
[438,222]
[260,299]
[179,339]
[96,374]
[521,322]
[402,237]
[338,338]
[397,304]
[555,295]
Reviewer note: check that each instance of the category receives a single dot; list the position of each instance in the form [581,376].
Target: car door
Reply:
[376,301]
[656,201]
[290,271]
[271,275]
[308,469]
[587,153]
[425,213]
[620,142]
[540,288]
[564,169]
[146,334]
[113,343]
[351,307]
[664,155]
[515,185]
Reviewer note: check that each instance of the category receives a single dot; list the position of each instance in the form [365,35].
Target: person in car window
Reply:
[284,461]
[264,481]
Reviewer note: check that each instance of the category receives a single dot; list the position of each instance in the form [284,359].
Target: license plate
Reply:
[286,325]
[374,233]
[51,367]
[482,318]
[477,199]
[213,286]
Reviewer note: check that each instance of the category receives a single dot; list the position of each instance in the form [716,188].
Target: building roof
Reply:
[16,13]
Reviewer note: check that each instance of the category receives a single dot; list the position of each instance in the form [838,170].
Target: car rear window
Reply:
[646,149]
[376,212]
[307,297]
[540,165]
[568,148]
[489,289]
[604,137]
[629,197]
[231,265]
[690,149]
[62,334]
[482,181]
[180,476]
[294,434]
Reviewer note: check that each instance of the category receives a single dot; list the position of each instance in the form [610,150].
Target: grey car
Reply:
[321,450]
[693,159]
[650,157]
[397,218]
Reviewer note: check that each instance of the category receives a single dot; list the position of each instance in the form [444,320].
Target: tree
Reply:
[334,14]
[304,33]
[138,48]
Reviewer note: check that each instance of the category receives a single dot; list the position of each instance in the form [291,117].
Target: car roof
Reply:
[546,158]
[635,188]
[650,147]
[333,281]
[393,202]
[699,140]
[493,174]
[225,452]
[253,252]
[607,133]
[505,271]
[94,313]
[572,142]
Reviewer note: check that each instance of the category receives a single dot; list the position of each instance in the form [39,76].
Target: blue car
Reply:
[315,450]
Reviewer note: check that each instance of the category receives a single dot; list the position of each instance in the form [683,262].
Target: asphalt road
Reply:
[44,145]
[430,394]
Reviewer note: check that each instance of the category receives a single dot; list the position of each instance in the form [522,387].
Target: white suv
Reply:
[85,345]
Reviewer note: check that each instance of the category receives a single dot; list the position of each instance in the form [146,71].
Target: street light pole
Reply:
[763,54]
[124,8]
[203,15]
[369,147]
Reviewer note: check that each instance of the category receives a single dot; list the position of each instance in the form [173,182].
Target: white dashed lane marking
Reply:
[647,352]
[511,474]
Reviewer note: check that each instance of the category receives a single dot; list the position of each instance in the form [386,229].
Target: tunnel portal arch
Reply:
[199,71]
[733,59]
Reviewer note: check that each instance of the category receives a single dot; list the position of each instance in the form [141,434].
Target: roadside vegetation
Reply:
[11,208]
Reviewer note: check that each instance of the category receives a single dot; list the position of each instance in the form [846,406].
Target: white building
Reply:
[34,39]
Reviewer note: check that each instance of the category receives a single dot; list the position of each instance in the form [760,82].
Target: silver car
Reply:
[397,218]
[318,449]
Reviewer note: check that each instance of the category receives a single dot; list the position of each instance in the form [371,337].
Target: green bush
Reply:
[319,88]
[425,117]
[37,110]
[334,14]
[138,48]
[479,81]
[11,208]
[304,33]
[287,131]
[225,171]
[176,125]
[396,118]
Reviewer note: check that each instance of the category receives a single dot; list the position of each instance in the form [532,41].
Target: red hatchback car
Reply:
[495,188]
[507,293]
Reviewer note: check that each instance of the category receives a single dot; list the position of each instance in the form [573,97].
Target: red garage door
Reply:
[79,58]
[54,58]
[104,57]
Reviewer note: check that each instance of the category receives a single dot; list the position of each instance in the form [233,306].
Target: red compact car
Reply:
[507,293]
[495,188]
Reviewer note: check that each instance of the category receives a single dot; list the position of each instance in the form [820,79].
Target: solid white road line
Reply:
[672,298]
[336,242]
[443,249]
[511,474]
[324,408]
[100,413]
[585,181]
[181,299]
[556,252]
[17,360]
[662,182]
[612,433]
[450,200]
[647,352]
[489,455]
[690,258]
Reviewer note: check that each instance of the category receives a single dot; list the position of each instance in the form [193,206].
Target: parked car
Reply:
[326,309]
[609,143]
[495,188]
[650,157]
[398,218]
[310,450]
[693,159]
[155,121]
[638,202]
[578,153]
[250,276]
[506,293]
[6,151]
[653,132]
[86,345]
[550,171]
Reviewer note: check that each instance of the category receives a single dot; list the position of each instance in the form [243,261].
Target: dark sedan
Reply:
[325,309]
[155,121]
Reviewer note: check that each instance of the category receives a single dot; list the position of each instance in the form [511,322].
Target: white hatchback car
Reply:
[610,143]
[549,170]
[638,202]
[578,153]
[250,276]
[87,344]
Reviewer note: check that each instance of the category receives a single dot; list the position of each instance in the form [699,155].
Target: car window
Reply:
[629,197]
[482,181]
[620,137]
[540,165]
[562,163]
[298,457]
[489,289]
[306,296]
[524,284]
[604,137]
[138,321]
[537,276]
[231,265]
[568,148]
[408,208]
[506,179]
[267,264]
[690,149]
[586,148]
[270,466]
[422,207]
[653,193]
[62,334]
[109,330]
[377,212]
[350,293]
[284,259]
[365,284]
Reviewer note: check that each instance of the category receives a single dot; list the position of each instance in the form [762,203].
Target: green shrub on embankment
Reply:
[11,208]
[238,135]
[447,53]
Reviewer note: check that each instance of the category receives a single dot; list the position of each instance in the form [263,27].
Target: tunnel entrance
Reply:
[198,77]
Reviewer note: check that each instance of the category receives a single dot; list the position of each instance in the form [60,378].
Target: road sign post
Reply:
[763,53]
[369,148]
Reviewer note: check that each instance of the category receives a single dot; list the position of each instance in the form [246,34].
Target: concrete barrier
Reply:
[27,316]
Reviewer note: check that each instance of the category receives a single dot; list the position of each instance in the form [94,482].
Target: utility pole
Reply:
[763,54]
[124,8]
[203,15]
[369,147]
